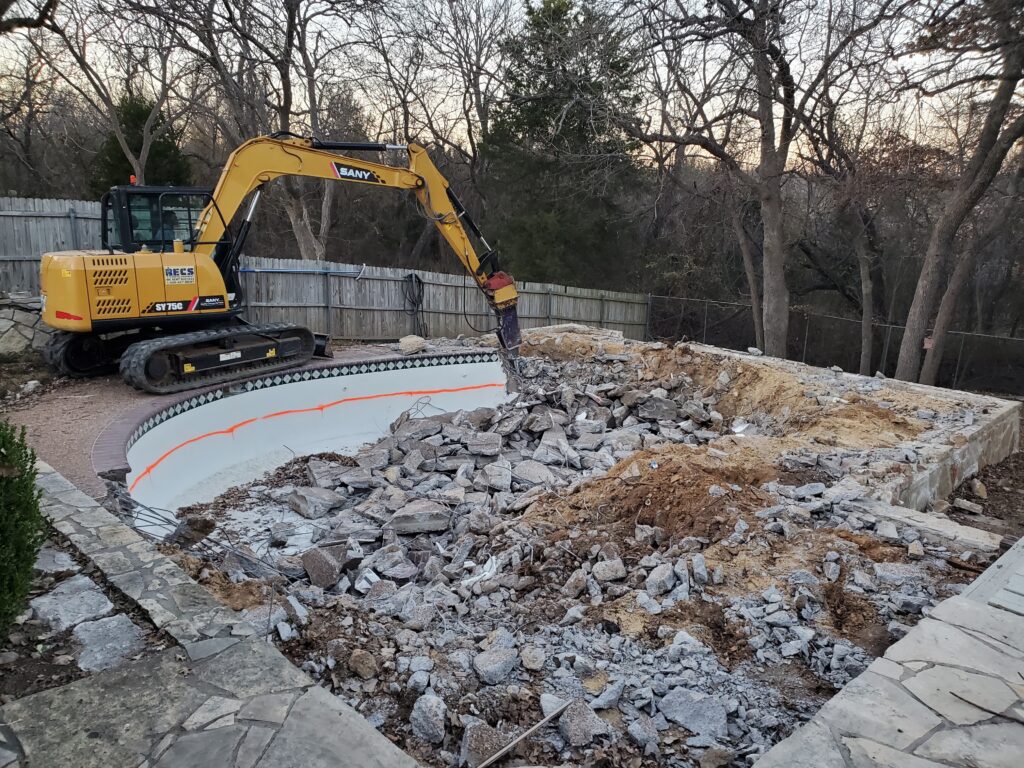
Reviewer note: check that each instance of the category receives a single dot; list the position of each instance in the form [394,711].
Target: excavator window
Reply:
[111,230]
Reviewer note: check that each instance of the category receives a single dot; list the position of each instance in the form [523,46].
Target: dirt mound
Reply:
[244,594]
[855,618]
[687,491]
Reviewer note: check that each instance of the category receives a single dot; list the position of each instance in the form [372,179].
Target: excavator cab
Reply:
[136,218]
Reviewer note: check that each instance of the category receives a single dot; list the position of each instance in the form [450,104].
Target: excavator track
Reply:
[215,356]
[81,355]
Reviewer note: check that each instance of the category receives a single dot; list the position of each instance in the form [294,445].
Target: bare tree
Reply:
[25,15]
[972,254]
[104,54]
[737,80]
[273,64]
[978,43]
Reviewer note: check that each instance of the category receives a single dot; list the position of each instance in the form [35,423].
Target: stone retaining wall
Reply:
[21,328]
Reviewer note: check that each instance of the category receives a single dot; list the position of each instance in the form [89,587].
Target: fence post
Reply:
[704,334]
[647,320]
[549,305]
[73,223]
[250,311]
[600,319]
[327,300]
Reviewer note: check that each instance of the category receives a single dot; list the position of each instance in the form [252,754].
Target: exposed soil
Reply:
[670,487]
[237,596]
[1003,498]
[855,618]
[17,371]
[797,685]
[45,661]
[706,621]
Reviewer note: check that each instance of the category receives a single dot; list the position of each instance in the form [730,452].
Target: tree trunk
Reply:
[752,282]
[776,294]
[944,318]
[939,245]
[867,301]
[993,144]
[423,243]
[309,247]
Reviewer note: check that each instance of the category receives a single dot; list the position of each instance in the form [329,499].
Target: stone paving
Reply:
[950,693]
[223,697]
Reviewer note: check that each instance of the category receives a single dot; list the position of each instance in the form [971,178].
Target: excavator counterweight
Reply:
[163,299]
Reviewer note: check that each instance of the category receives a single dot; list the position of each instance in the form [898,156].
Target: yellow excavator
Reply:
[163,297]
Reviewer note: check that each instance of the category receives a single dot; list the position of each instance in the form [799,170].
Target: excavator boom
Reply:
[263,159]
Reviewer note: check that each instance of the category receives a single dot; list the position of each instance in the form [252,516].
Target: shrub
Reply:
[22,527]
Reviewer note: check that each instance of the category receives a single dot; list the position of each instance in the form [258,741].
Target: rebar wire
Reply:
[211,546]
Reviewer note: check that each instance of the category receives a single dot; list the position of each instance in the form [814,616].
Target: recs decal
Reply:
[348,173]
[179,275]
[197,303]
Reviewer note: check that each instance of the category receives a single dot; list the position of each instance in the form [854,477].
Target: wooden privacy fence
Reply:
[349,301]
[30,227]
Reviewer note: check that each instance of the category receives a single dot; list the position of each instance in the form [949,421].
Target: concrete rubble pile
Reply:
[453,619]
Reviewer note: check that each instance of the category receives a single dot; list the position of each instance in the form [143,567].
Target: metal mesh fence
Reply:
[974,361]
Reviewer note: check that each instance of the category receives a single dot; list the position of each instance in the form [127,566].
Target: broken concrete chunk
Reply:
[498,475]
[643,732]
[533,658]
[609,698]
[314,503]
[531,473]
[609,570]
[479,742]
[554,449]
[700,570]
[420,516]
[810,490]
[886,529]
[429,718]
[660,580]
[484,443]
[658,409]
[494,665]
[322,567]
[579,724]
[697,712]
[412,345]
[968,506]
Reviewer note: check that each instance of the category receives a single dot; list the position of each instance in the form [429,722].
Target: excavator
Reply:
[163,300]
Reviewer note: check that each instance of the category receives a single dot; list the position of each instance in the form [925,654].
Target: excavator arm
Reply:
[264,159]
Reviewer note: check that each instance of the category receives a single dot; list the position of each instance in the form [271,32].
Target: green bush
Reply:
[22,527]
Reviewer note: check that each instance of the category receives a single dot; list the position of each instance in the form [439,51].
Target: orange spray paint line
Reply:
[230,431]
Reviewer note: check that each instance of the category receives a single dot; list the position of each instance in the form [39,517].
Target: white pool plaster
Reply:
[193,451]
